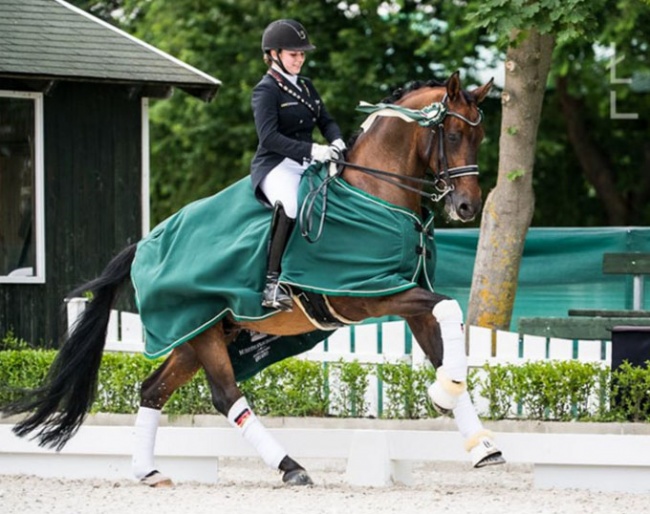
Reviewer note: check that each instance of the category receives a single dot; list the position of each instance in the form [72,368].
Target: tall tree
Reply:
[369,47]
[604,101]
[364,51]
[529,29]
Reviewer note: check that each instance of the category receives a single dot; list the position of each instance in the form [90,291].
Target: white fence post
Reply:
[74,308]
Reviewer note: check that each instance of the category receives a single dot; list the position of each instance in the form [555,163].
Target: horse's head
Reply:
[450,148]
[426,126]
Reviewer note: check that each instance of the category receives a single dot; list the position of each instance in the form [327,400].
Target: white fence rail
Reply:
[389,341]
[599,461]
[392,342]
[606,461]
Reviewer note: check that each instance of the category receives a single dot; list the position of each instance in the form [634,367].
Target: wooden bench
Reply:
[583,324]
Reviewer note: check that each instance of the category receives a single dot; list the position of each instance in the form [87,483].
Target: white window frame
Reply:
[39,191]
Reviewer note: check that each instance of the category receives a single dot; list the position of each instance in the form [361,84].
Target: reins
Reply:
[441,182]
[395,178]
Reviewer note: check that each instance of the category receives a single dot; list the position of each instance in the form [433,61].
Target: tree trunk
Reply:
[595,165]
[509,206]
[622,209]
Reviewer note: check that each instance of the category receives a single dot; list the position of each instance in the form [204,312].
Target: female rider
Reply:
[287,108]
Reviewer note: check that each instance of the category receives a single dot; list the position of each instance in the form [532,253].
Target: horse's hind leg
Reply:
[178,369]
[211,351]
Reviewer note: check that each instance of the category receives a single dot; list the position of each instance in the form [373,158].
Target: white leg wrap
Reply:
[146,426]
[242,417]
[452,375]
[450,318]
[465,416]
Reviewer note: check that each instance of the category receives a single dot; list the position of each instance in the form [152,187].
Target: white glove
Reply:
[321,153]
[337,146]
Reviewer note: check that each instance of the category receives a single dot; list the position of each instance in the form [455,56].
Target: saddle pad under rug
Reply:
[209,259]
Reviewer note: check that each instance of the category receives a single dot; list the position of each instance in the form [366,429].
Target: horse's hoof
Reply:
[491,460]
[157,479]
[297,477]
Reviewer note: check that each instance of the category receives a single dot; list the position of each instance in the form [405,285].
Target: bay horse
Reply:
[388,160]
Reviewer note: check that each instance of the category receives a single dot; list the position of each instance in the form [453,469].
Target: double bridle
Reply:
[441,182]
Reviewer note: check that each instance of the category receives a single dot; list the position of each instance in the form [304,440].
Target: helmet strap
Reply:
[278,61]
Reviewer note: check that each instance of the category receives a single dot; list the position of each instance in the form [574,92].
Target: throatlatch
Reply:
[275,295]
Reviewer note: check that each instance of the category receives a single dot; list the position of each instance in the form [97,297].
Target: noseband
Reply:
[432,116]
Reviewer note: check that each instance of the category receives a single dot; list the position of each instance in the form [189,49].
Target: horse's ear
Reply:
[453,86]
[480,93]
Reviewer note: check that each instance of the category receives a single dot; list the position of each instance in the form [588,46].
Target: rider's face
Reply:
[292,60]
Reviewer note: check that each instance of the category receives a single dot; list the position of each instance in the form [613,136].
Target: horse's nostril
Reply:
[466,211]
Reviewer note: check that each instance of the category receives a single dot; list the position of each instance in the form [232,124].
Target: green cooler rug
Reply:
[208,261]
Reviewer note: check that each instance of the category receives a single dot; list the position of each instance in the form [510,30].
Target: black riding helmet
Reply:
[286,35]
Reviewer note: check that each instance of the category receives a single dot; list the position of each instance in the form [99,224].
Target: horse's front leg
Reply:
[441,337]
[212,353]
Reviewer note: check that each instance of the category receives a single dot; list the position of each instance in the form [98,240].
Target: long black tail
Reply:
[61,403]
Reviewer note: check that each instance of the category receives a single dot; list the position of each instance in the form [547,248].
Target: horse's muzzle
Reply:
[462,208]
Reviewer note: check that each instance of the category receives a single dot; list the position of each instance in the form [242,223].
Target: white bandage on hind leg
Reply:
[242,417]
[146,426]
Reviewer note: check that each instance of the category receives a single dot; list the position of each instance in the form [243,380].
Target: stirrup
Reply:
[275,296]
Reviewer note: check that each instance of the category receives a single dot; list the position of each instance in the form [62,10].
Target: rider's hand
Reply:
[338,147]
[321,153]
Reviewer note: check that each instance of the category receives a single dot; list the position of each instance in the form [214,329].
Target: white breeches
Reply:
[281,185]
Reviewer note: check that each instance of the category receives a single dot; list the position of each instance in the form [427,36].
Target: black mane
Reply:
[400,92]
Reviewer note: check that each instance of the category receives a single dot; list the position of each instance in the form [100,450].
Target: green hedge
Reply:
[552,390]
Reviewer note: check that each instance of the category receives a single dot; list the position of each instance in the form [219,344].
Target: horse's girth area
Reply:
[282,324]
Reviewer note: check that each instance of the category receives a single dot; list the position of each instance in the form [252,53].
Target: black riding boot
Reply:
[275,295]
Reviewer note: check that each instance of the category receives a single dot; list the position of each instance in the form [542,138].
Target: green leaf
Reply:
[515,174]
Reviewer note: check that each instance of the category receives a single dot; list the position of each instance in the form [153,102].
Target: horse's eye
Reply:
[454,137]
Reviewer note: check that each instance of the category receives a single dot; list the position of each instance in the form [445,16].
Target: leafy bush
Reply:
[120,379]
[631,393]
[551,390]
[405,391]
[497,387]
[22,369]
[10,342]
[556,390]
[288,388]
[347,385]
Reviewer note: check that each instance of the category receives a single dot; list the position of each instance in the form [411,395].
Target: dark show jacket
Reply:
[285,124]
